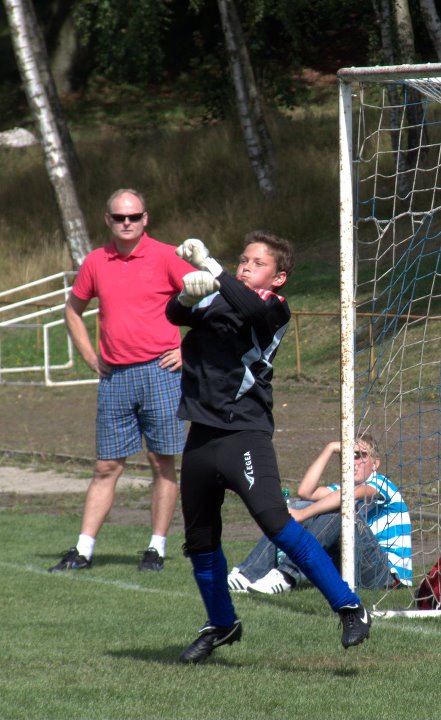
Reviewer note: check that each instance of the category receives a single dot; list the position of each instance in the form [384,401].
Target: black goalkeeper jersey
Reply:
[227,355]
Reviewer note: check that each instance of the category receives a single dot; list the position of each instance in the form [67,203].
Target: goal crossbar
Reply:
[383,73]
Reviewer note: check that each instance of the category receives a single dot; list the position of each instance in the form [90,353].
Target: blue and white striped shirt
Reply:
[389,519]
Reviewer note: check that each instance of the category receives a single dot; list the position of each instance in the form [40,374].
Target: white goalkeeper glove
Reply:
[197,285]
[195,252]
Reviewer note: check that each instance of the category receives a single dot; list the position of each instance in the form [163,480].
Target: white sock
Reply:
[158,542]
[85,546]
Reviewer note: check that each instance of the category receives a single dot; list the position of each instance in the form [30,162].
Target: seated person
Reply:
[383,551]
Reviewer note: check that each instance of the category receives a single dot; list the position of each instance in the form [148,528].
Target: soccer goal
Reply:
[390,267]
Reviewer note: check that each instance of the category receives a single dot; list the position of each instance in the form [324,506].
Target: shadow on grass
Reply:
[287,600]
[168,655]
[98,561]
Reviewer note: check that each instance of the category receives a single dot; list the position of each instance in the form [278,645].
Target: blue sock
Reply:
[306,552]
[210,571]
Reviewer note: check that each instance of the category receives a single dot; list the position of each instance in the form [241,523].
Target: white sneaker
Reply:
[237,582]
[271,584]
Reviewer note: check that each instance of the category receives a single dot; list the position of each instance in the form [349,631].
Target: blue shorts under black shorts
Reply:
[135,401]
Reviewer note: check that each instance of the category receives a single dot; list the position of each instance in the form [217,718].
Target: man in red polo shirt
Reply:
[138,364]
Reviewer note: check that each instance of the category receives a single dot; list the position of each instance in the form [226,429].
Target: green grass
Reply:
[104,644]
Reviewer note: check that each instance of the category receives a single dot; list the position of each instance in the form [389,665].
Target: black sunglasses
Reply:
[119,218]
[360,454]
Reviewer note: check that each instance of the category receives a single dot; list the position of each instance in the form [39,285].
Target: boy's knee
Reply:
[200,542]
[273,521]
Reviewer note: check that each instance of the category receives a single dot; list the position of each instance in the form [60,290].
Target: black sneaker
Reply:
[356,622]
[211,637]
[151,560]
[71,560]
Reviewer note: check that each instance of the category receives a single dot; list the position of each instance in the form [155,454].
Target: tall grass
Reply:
[198,182]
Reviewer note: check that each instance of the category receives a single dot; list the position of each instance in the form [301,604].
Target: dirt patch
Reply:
[42,481]
[57,425]
[47,450]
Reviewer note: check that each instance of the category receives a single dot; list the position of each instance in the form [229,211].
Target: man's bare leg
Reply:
[164,493]
[97,505]
[100,495]
[163,505]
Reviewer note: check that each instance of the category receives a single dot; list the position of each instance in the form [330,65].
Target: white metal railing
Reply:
[34,300]
[46,352]
[29,313]
[64,274]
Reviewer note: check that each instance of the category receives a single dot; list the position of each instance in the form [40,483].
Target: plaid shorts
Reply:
[135,401]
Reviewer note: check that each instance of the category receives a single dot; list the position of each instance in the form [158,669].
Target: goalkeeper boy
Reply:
[236,325]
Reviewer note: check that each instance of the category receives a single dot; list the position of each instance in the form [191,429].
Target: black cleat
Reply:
[151,560]
[71,560]
[356,622]
[211,637]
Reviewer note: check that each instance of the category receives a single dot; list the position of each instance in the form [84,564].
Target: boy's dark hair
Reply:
[281,249]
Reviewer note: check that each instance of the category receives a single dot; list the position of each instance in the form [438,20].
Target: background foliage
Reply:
[151,106]
[156,42]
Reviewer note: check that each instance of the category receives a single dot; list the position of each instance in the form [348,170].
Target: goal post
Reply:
[390,296]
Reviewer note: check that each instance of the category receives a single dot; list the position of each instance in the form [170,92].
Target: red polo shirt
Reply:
[133,291]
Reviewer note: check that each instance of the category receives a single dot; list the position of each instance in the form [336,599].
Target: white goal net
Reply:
[390,169]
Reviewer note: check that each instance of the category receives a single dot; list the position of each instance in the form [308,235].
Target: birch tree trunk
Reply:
[432,23]
[385,20]
[403,23]
[43,64]
[34,71]
[64,55]
[255,132]
[394,15]
[414,110]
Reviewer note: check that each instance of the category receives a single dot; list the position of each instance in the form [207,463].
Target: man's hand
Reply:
[195,252]
[197,285]
[171,359]
[98,365]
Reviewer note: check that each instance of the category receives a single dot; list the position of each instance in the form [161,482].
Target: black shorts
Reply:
[242,461]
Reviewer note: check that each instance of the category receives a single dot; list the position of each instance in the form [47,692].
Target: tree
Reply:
[42,62]
[255,132]
[65,54]
[432,23]
[124,39]
[43,101]
[397,39]
[403,23]
[384,20]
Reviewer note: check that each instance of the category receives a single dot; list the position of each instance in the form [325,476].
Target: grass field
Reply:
[104,643]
